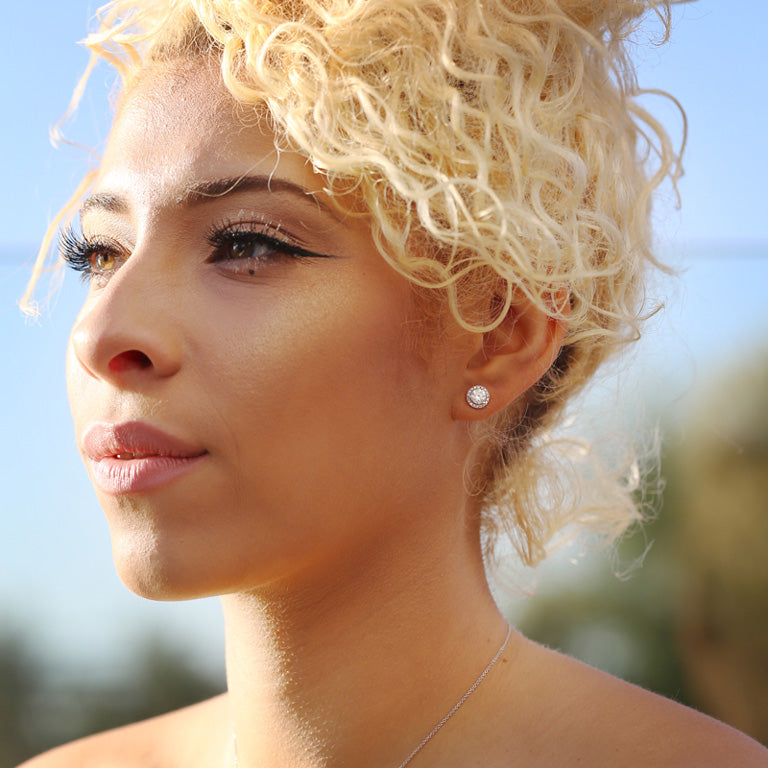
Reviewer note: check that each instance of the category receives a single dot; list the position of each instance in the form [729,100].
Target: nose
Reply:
[128,332]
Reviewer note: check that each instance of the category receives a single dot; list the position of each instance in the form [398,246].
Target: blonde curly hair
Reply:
[498,149]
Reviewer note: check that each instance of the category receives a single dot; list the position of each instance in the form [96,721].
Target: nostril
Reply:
[128,360]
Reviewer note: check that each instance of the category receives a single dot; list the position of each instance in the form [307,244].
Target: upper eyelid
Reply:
[70,239]
[99,239]
[264,228]
[102,244]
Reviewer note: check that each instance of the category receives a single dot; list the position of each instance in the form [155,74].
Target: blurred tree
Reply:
[19,685]
[692,623]
[623,626]
[40,710]
[158,679]
[720,497]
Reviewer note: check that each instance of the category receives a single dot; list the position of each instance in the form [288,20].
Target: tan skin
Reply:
[329,508]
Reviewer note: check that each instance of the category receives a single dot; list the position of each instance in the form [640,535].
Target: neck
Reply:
[316,668]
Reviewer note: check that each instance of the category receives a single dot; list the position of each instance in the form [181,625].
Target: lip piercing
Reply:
[478,396]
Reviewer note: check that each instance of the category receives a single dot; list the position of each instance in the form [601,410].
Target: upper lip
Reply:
[134,439]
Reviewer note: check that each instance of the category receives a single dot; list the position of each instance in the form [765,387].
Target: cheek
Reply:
[330,388]
[340,348]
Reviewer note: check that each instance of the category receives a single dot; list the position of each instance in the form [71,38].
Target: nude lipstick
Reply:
[134,457]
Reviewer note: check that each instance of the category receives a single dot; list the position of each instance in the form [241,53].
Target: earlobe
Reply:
[511,358]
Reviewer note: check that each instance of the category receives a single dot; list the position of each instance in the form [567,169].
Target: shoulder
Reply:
[609,721]
[191,736]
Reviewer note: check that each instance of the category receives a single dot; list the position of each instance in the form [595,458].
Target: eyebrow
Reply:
[206,191]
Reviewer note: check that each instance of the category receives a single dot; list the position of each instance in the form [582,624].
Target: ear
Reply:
[511,358]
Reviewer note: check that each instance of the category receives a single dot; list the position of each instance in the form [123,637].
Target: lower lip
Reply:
[119,476]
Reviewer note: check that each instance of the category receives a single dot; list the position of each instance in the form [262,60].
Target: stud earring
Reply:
[478,396]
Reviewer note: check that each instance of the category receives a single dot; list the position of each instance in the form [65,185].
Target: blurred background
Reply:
[78,653]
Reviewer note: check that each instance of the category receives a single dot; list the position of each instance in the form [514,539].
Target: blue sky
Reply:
[55,567]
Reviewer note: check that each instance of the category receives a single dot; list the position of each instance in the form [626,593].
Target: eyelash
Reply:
[79,251]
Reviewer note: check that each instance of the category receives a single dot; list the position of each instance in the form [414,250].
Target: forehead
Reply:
[178,125]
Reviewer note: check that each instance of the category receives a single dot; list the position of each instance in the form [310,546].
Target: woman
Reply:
[348,261]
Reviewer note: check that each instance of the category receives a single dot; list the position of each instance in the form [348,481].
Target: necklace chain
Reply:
[440,724]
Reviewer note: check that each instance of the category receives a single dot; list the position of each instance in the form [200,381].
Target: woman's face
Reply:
[245,386]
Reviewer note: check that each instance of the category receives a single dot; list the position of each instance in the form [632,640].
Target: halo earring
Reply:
[478,396]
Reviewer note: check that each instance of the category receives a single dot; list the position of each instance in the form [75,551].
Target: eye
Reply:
[96,259]
[250,251]
[244,248]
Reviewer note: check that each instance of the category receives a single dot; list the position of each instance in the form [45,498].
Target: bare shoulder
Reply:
[607,721]
[191,736]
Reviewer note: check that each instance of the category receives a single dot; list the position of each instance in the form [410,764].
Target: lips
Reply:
[133,457]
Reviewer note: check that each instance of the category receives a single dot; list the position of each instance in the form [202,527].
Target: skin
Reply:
[329,509]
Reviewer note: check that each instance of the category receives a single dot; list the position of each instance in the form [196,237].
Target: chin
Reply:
[159,572]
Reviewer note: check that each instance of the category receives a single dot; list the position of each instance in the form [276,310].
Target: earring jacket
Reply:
[478,396]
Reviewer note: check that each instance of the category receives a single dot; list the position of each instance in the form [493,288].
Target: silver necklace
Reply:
[443,721]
